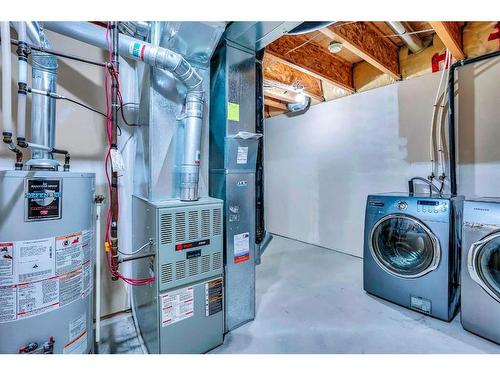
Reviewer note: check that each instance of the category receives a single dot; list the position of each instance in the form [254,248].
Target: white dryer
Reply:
[481,268]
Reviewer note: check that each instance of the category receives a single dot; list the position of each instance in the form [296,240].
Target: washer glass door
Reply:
[404,246]
[486,258]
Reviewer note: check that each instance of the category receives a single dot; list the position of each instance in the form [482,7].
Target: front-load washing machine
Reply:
[412,251]
[481,268]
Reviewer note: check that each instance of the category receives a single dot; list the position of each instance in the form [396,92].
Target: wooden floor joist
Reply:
[299,53]
[275,103]
[361,39]
[275,70]
[450,34]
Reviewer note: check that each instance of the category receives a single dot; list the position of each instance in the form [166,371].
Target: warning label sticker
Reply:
[177,305]
[241,247]
[38,276]
[69,253]
[213,297]
[37,298]
[86,278]
[242,156]
[76,346]
[6,263]
[70,287]
[8,296]
[77,326]
[35,259]
[87,238]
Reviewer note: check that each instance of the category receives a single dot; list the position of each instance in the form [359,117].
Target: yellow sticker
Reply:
[233,111]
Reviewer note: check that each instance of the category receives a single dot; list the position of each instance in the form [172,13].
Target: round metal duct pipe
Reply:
[413,42]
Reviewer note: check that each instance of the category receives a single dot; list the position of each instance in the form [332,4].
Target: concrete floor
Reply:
[311,300]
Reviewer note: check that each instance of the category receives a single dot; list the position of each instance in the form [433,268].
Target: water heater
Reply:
[46,262]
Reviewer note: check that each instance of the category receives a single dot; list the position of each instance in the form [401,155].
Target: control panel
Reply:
[430,206]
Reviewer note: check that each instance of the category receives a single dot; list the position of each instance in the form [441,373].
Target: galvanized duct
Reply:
[43,108]
[165,59]
[413,42]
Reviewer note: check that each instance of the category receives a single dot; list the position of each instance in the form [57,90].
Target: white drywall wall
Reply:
[320,166]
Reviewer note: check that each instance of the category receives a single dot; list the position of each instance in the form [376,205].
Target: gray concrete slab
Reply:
[311,300]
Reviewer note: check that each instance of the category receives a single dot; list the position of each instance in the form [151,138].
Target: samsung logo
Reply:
[480,209]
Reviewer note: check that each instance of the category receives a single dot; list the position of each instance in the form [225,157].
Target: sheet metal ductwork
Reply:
[413,42]
[164,59]
[43,108]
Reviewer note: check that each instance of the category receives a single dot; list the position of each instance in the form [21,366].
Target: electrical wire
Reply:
[149,243]
[56,96]
[109,75]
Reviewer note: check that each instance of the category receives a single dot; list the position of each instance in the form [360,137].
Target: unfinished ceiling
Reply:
[363,55]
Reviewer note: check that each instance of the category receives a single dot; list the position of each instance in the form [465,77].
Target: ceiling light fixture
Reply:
[335,47]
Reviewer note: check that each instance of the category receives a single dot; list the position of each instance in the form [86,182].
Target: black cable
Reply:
[61,54]
[83,105]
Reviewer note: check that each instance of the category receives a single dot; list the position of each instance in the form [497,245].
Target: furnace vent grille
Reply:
[193,266]
[205,223]
[180,227]
[180,269]
[205,263]
[166,229]
[217,229]
[166,273]
[193,225]
[217,261]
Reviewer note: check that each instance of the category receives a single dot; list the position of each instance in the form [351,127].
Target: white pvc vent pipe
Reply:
[6,78]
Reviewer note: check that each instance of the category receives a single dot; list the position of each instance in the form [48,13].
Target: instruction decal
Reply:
[177,305]
[241,247]
[233,111]
[213,297]
[6,263]
[242,155]
[37,298]
[8,303]
[35,259]
[38,276]
[76,346]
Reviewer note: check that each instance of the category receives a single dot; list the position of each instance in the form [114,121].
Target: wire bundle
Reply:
[110,75]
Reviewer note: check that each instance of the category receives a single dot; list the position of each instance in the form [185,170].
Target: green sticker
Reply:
[233,111]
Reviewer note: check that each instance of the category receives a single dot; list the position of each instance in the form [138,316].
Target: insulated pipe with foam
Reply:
[165,59]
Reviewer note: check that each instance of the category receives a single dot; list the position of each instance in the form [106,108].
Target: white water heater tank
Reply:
[47,256]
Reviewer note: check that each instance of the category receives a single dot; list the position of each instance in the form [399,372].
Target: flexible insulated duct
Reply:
[165,59]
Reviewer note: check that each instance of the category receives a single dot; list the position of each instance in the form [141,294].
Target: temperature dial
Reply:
[402,205]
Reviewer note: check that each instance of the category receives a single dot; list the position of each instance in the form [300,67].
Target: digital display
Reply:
[428,203]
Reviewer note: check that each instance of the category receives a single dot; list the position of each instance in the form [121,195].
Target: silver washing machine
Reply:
[412,251]
[481,268]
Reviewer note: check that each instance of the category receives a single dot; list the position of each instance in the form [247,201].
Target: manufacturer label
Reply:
[137,50]
[421,304]
[241,247]
[177,305]
[43,199]
[190,245]
[213,297]
[242,155]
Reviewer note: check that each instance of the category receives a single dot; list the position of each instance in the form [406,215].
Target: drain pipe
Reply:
[6,95]
[451,113]
[165,59]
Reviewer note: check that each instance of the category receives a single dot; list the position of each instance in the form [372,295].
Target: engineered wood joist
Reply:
[361,39]
[300,53]
[275,70]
